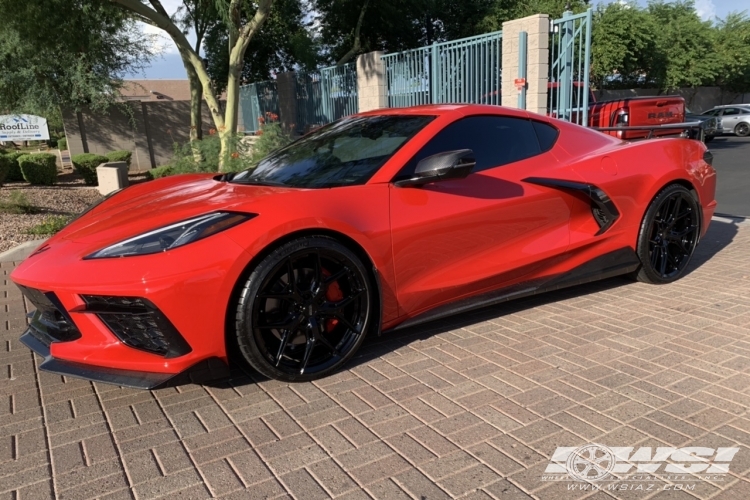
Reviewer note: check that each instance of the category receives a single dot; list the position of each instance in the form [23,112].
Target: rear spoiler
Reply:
[667,126]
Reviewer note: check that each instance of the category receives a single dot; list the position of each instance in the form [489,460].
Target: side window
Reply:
[547,135]
[495,140]
[731,111]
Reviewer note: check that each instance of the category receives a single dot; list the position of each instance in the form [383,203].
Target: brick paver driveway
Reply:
[470,407]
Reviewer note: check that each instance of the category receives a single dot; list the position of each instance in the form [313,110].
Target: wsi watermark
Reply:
[644,468]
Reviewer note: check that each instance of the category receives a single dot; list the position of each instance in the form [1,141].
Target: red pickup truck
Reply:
[641,111]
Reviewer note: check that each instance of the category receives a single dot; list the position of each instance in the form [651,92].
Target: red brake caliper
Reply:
[333,294]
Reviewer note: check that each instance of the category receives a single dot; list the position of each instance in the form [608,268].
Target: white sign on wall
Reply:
[23,128]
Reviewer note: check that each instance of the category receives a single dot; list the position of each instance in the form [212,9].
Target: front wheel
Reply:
[742,129]
[668,236]
[304,310]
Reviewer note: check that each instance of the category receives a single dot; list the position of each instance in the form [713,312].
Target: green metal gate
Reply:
[325,95]
[570,53]
[466,71]
[257,99]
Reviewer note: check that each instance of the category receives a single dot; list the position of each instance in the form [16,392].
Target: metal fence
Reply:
[466,70]
[257,99]
[325,95]
[570,54]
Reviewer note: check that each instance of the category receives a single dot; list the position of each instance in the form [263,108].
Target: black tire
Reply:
[742,129]
[668,236]
[309,326]
[708,139]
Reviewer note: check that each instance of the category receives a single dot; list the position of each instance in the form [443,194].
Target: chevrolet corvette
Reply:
[373,223]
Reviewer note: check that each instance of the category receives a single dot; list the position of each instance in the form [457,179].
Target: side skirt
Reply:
[614,263]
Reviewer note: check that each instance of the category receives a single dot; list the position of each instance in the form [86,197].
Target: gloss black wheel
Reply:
[669,234]
[304,310]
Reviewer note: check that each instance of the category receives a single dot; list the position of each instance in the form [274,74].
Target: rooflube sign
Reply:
[23,128]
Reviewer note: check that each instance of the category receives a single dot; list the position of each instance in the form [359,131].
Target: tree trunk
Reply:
[232,107]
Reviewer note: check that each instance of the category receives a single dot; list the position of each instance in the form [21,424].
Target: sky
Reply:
[168,65]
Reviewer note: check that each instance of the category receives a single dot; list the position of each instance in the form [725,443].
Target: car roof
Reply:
[449,109]
[744,105]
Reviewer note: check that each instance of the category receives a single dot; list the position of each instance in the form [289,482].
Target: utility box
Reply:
[112,176]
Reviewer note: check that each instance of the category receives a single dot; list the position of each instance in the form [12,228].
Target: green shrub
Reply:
[17,204]
[14,173]
[39,168]
[52,143]
[50,225]
[272,137]
[4,168]
[159,172]
[62,144]
[85,164]
[120,156]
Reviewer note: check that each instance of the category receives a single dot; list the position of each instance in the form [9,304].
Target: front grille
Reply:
[138,323]
[51,321]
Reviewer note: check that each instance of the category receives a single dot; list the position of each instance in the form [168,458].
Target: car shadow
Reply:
[723,142]
[720,234]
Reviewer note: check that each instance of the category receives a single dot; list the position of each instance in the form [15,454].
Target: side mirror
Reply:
[455,164]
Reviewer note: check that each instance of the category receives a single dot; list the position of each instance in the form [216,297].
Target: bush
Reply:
[159,172]
[120,156]
[52,143]
[14,173]
[50,225]
[4,168]
[85,164]
[62,144]
[272,137]
[17,204]
[39,168]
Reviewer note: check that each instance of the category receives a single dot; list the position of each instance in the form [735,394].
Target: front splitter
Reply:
[204,371]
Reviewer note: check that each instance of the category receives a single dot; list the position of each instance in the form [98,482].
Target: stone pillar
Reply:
[537,62]
[286,86]
[372,88]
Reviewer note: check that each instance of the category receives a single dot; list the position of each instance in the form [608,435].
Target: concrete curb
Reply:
[20,252]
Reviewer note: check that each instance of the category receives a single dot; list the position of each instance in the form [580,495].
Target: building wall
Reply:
[149,129]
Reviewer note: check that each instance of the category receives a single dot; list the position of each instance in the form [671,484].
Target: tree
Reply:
[243,20]
[198,15]
[623,46]
[684,56]
[732,51]
[66,53]
[282,44]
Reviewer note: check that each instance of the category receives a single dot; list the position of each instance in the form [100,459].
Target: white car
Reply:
[734,118]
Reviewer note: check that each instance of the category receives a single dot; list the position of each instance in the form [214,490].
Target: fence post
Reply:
[286,86]
[566,67]
[372,88]
[537,62]
[522,47]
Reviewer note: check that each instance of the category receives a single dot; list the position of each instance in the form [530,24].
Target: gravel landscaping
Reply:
[68,197]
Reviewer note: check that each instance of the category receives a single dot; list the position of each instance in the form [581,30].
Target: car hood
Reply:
[158,203]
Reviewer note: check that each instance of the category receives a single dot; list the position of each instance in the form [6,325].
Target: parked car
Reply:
[734,118]
[710,125]
[375,222]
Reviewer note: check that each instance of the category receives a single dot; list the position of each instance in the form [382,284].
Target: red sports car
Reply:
[375,222]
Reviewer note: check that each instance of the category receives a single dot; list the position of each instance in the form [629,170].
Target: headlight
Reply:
[173,236]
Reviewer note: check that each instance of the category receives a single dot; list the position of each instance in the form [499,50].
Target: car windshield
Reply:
[344,153]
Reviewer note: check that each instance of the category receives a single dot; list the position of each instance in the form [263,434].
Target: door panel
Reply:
[465,236]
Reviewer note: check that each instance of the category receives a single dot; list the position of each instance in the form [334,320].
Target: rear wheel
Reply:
[304,310]
[742,129]
[668,236]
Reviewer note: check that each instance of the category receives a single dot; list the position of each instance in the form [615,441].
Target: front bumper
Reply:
[189,289]
[201,372]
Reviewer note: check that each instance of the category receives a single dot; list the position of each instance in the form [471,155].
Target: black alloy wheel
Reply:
[742,129]
[668,236]
[304,310]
